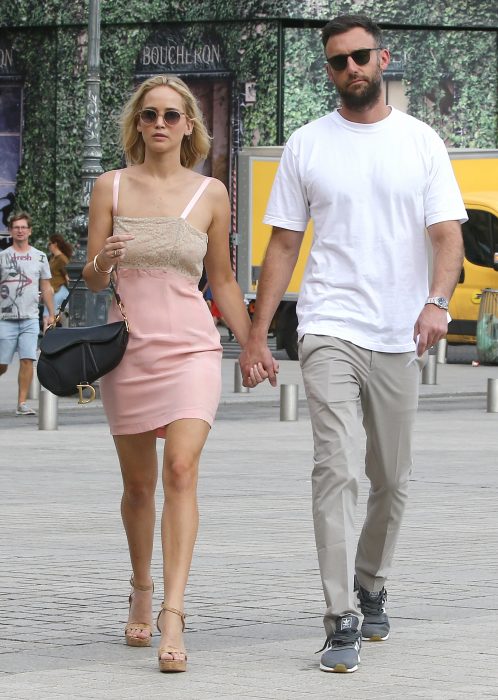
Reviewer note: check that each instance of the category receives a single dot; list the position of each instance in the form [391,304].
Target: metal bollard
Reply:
[442,347]
[289,402]
[429,372]
[238,387]
[47,416]
[492,403]
[34,387]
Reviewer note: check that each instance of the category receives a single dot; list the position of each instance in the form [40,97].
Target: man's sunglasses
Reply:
[170,116]
[361,57]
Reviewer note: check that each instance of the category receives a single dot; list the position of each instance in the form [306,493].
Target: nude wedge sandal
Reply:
[171,665]
[131,640]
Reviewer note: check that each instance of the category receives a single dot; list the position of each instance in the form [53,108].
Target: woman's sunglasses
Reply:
[361,57]
[170,116]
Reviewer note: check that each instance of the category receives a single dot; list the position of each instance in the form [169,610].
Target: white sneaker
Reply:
[24,410]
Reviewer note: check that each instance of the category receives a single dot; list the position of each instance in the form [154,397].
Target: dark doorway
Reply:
[214,97]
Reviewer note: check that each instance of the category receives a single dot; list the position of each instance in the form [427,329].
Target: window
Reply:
[480,237]
[10,150]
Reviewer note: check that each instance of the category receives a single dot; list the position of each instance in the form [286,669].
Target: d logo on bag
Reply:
[81,388]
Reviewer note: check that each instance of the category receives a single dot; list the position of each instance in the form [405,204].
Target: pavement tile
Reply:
[254,598]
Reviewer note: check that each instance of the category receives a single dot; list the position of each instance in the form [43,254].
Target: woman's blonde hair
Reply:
[194,147]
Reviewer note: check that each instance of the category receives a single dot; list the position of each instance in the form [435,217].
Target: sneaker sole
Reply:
[375,638]
[338,668]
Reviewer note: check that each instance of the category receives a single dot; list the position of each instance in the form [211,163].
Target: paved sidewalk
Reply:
[254,599]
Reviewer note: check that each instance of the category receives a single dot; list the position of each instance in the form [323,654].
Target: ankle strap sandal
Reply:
[132,627]
[171,665]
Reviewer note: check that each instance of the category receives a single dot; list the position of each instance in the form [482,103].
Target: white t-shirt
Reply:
[371,190]
[20,275]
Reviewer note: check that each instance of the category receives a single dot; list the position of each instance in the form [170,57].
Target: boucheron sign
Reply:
[175,53]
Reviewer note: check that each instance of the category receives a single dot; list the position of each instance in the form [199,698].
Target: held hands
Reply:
[430,327]
[257,364]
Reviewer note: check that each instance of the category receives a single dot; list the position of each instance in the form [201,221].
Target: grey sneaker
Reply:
[342,647]
[375,627]
[24,410]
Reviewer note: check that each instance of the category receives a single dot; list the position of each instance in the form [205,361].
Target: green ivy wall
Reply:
[436,12]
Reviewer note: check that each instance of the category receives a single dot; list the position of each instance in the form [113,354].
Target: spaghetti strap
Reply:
[115,192]
[195,198]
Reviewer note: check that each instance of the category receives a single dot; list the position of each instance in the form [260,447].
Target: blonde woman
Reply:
[155,223]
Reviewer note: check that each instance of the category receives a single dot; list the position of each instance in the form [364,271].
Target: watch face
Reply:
[440,302]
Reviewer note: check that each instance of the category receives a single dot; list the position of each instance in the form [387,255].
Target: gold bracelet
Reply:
[97,268]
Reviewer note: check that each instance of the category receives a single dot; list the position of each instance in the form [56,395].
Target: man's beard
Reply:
[359,101]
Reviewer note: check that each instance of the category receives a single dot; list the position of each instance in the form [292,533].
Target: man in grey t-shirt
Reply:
[24,272]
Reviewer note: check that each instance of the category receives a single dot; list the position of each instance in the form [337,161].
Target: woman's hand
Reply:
[114,250]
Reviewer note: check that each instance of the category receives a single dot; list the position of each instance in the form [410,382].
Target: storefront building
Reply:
[256,67]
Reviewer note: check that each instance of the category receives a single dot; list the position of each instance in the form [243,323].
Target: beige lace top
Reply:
[162,242]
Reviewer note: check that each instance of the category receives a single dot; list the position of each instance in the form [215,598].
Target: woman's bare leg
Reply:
[184,442]
[138,459]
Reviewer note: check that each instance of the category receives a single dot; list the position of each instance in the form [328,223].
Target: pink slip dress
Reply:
[172,365]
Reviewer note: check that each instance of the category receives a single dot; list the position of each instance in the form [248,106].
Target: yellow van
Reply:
[477,175]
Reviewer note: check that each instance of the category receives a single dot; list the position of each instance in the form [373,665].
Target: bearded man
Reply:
[373,180]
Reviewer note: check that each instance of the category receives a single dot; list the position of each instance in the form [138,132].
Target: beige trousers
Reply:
[336,375]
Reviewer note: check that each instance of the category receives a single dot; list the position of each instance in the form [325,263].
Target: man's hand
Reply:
[257,363]
[431,326]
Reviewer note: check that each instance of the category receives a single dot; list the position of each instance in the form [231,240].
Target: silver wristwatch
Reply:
[440,302]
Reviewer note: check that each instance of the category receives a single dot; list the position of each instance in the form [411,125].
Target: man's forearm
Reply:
[278,265]
[448,252]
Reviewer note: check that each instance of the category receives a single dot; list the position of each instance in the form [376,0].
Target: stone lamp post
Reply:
[85,307]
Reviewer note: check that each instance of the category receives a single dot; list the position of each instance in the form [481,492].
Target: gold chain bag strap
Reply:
[71,359]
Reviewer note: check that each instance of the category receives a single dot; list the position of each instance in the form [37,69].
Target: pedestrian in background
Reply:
[155,223]
[213,308]
[372,179]
[60,254]
[24,272]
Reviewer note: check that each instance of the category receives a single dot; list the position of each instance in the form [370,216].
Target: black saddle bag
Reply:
[71,359]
